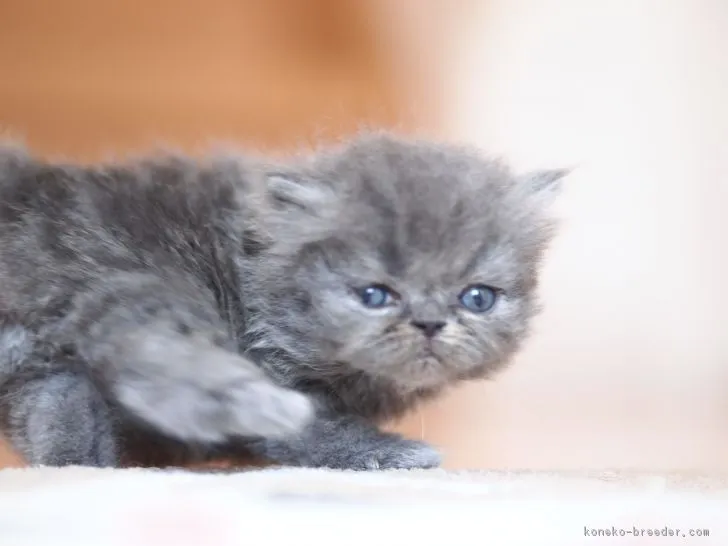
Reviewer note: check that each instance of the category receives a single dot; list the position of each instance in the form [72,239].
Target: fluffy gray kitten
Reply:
[236,306]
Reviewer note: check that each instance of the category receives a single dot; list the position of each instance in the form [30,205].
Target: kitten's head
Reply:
[412,261]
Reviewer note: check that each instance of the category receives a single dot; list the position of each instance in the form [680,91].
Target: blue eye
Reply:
[377,296]
[478,298]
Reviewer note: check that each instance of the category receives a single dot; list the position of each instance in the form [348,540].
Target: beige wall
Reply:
[629,364]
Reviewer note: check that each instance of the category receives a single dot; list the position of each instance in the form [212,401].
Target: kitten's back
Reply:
[62,225]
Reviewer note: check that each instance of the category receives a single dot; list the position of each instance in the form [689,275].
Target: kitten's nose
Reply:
[429,327]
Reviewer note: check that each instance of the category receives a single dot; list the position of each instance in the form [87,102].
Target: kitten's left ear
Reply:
[545,183]
[536,192]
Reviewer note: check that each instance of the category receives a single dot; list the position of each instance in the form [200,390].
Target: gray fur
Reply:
[214,303]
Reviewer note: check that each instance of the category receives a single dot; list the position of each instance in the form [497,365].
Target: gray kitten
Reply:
[235,306]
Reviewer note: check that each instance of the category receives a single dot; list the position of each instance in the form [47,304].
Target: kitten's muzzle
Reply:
[430,328]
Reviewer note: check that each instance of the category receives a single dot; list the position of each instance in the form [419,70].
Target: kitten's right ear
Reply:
[300,209]
[289,193]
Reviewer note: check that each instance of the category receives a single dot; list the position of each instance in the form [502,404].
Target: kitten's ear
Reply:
[290,193]
[535,193]
[300,209]
[544,184]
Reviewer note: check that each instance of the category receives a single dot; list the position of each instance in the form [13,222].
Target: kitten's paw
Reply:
[261,408]
[394,453]
[213,398]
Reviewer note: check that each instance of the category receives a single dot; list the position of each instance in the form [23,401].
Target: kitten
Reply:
[281,310]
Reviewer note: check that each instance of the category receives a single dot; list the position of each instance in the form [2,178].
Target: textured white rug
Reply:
[79,506]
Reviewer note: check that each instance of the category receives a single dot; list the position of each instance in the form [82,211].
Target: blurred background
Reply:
[628,367]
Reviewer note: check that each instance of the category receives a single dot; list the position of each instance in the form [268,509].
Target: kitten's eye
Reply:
[377,296]
[478,298]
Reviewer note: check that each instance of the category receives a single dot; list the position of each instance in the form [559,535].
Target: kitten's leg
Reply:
[51,414]
[162,351]
[57,418]
[347,443]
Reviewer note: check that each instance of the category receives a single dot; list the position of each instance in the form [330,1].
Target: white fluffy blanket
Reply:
[79,507]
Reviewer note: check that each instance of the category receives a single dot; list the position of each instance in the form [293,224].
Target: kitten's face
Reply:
[410,261]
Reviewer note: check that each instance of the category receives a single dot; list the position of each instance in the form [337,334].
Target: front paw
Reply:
[261,408]
[386,453]
[212,398]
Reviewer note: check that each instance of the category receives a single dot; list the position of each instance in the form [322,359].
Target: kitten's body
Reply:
[191,302]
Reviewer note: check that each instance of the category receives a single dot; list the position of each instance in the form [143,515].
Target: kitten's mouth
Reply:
[429,353]
[432,345]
